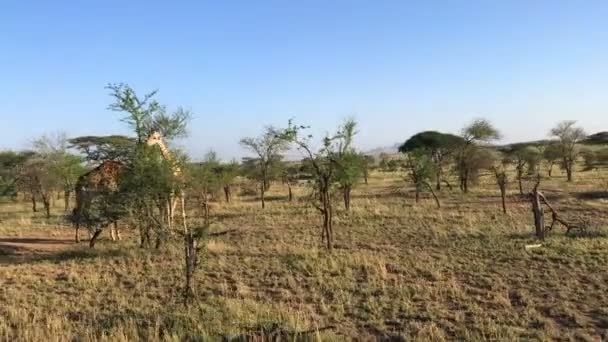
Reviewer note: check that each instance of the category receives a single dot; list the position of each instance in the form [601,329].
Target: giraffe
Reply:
[102,178]
[155,138]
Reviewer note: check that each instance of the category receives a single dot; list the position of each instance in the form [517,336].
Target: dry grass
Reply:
[399,271]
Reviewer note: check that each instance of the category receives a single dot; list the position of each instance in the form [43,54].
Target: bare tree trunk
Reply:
[365,176]
[290,192]
[568,167]
[76,218]
[227,193]
[46,201]
[539,215]
[262,193]
[434,195]
[206,207]
[66,200]
[550,169]
[519,176]
[327,215]
[330,231]
[346,193]
[144,236]
[34,204]
[503,194]
[94,238]
[191,261]
[438,180]
[417,194]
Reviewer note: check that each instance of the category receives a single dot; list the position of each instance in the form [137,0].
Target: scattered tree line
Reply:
[151,179]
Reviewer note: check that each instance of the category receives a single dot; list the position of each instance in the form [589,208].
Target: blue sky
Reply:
[399,67]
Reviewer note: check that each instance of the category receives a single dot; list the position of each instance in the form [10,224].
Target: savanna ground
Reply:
[399,271]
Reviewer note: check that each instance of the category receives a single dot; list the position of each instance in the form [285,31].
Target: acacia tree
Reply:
[438,146]
[65,166]
[325,164]
[150,182]
[421,171]
[268,148]
[10,169]
[226,174]
[350,171]
[551,154]
[478,132]
[37,177]
[568,136]
[97,149]
[525,158]
[205,180]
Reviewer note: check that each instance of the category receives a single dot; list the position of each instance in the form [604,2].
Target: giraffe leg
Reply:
[183,203]
[118,237]
[113,232]
[173,206]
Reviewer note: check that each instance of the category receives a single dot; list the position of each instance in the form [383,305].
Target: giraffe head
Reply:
[154,138]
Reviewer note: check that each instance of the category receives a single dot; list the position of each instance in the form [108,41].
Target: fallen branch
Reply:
[557,219]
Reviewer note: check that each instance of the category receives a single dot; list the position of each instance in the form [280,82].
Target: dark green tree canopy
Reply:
[431,140]
[97,149]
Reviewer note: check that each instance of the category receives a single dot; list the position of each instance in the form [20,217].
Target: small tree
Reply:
[525,158]
[10,169]
[568,136]
[325,165]
[290,178]
[590,159]
[367,164]
[205,180]
[65,166]
[499,169]
[421,171]
[350,171]
[350,162]
[37,177]
[227,174]
[268,149]
[551,154]
[479,131]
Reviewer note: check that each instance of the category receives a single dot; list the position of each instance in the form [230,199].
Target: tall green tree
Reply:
[151,181]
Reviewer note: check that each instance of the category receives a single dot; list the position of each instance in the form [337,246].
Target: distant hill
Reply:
[386,149]
[597,139]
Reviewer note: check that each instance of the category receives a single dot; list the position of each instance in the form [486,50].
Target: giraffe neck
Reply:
[164,151]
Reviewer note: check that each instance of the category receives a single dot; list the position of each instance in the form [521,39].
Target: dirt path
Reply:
[16,248]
